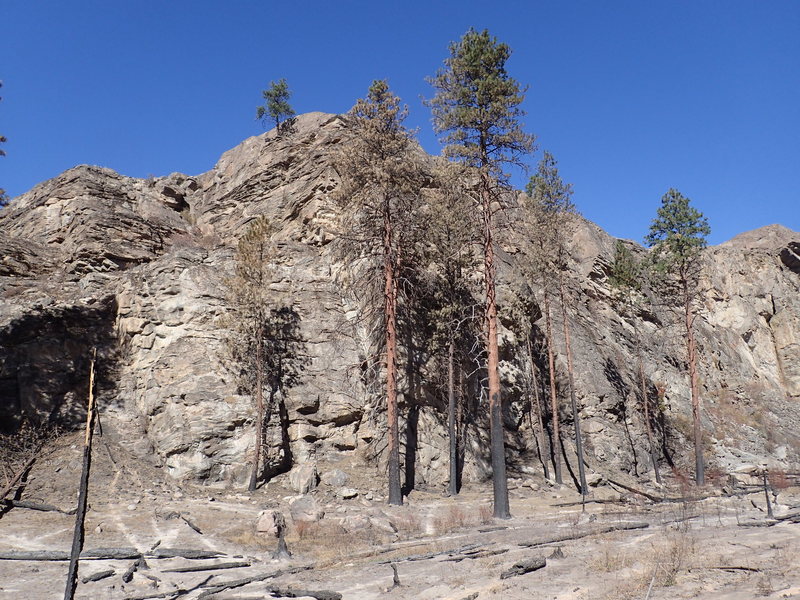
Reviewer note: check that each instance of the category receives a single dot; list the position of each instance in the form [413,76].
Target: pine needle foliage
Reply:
[476,108]
[276,106]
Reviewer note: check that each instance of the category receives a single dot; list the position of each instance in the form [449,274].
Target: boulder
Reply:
[306,509]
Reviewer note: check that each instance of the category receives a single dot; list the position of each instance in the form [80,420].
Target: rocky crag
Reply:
[137,268]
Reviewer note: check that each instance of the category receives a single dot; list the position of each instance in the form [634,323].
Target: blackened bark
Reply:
[259,407]
[551,361]
[570,372]
[692,355]
[451,419]
[80,515]
[544,450]
[647,422]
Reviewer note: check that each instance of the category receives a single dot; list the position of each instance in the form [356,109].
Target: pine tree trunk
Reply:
[647,423]
[551,361]
[390,315]
[575,414]
[542,438]
[451,419]
[499,481]
[692,355]
[259,407]
[83,491]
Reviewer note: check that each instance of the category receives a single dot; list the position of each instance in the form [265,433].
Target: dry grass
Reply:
[453,518]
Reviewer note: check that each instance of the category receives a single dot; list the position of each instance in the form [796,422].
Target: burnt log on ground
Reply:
[40,506]
[98,576]
[297,593]
[224,586]
[214,567]
[582,534]
[524,566]
[109,554]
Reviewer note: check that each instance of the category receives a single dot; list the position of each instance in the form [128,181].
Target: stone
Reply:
[306,509]
[594,479]
[304,478]
[346,493]
[335,478]
[266,523]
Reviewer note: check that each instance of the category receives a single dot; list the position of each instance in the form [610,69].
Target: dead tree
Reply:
[80,515]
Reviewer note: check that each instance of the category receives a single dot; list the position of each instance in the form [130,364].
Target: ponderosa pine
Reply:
[476,110]
[677,237]
[378,195]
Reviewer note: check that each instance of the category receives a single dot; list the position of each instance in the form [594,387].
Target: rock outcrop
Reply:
[138,269]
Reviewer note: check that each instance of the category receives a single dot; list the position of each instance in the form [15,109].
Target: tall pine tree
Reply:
[378,196]
[476,110]
[677,238]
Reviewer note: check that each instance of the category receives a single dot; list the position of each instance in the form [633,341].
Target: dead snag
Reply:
[77,536]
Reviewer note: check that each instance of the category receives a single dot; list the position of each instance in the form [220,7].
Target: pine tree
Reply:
[378,196]
[626,277]
[476,109]
[449,236]
[276,106]
[552,198]
[263,336]
[677,237]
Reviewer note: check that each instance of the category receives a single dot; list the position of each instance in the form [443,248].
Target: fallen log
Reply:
[474,555]
[20,474]
[224,586]
[214,567]
[524,566]
[582,534]
[109,554]
[428,555]
[127,576]
[173,593]
[40,506]
[293,593]
[183,553]
[191,524]
[98,576]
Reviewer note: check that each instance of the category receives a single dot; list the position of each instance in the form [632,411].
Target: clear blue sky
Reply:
[631,97]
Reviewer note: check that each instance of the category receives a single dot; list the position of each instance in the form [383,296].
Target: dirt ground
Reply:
[442,548]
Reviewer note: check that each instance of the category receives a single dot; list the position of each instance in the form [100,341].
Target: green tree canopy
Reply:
[477,105]
[678,233]
[276,106]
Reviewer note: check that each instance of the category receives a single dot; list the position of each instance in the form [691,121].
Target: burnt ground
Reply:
[443,548]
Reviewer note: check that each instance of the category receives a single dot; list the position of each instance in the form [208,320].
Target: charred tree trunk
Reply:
[692,356]
[451,418]
[80,515]
[551,363]
[390,316]
[259,407]
[499,481]
[544,449]
[647,423]
[570,372]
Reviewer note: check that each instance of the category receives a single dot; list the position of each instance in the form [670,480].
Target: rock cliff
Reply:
[137,268]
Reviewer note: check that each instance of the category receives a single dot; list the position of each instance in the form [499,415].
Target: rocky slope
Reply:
[137,268]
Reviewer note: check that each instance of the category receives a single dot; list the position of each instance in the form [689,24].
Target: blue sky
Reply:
[631,97]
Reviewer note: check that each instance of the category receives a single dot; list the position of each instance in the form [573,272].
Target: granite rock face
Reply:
[138,269]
